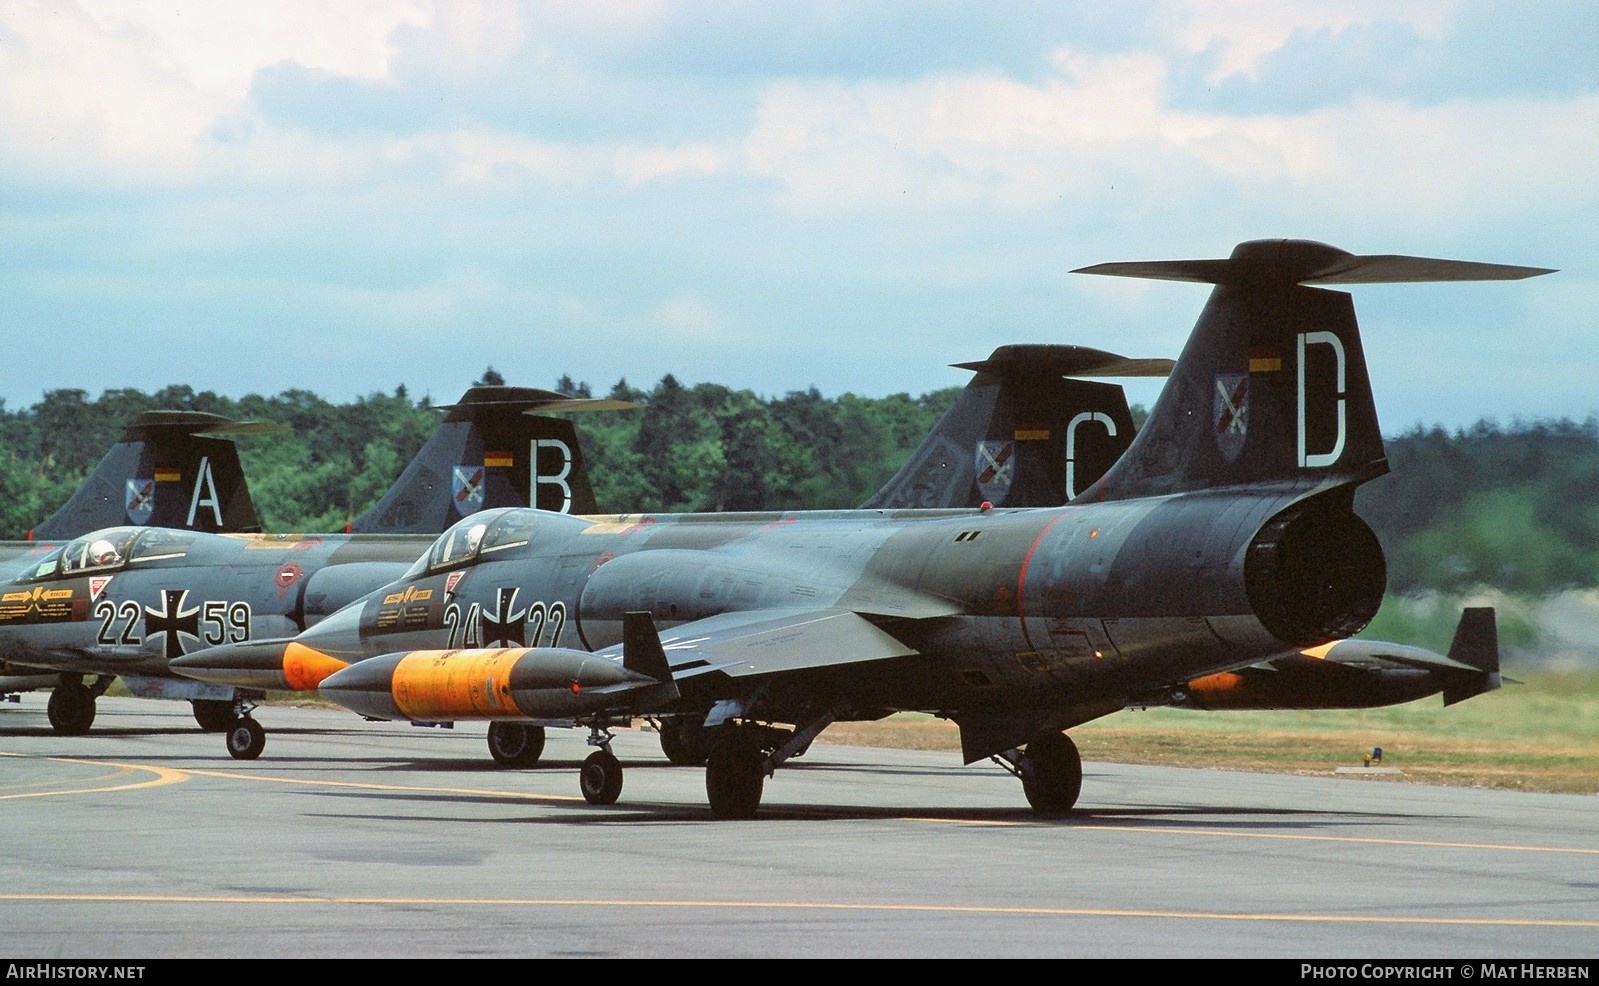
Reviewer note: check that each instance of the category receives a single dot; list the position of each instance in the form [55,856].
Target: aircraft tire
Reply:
[214,715]
[1052,774]
[246,739]
[734,777]
[684,742]
[515,744]
[70,709]
[600,778]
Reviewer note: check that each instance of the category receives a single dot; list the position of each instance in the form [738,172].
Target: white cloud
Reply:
[130,93]
[1243,33]
[839,150]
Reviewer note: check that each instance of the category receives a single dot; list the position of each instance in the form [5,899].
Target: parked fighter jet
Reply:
[1027,430]
[122,601]
[1224,537]
[169,468]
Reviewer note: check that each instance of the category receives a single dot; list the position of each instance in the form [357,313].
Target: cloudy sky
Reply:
[346,197]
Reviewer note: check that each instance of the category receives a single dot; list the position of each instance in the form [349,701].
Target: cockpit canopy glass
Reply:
[484,532]
[109,549]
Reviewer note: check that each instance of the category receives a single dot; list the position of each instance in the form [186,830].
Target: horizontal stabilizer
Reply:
[1046,359]
[152,423]
[531,400]
[1309,263]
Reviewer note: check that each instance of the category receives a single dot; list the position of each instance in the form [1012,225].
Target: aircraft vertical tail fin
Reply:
[169,469]
[495,448]
[1476,643]
[1272,385]
[1027,431]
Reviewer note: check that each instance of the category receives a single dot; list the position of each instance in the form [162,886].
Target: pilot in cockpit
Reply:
[103,552]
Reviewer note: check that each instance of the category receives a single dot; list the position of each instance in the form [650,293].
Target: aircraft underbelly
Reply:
[993,663]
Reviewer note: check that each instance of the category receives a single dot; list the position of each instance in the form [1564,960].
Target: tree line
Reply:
[1514,508]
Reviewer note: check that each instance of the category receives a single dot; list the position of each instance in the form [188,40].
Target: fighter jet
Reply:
[1027,430]
[1222,538]
[169,468]
[121,601]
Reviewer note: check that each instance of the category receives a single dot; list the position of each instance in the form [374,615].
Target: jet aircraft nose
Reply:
[338,637]
[366,688]
[284,665]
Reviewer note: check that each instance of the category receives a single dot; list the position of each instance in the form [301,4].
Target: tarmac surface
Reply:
[351,839]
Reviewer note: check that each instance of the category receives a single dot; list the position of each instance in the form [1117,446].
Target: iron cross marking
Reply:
[505,628]
[172,620]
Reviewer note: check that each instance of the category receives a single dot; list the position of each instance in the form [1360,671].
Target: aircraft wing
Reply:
[762,642]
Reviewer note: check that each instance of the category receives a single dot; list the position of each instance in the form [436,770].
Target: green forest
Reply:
[1513,510]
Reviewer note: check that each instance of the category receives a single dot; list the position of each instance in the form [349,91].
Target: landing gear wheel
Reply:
[684,742]
[246,739]
[734,777]
[600,778]
[1052,774]
[71,708]
[213,714]
[515,744]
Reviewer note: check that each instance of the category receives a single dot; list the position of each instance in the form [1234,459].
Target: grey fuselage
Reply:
[1035,618]
[170,592]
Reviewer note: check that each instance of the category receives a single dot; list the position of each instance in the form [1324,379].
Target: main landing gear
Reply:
[736,771]
[213,714]
[519,744]
[735,759]
[71,704]
[742,755]
[738,757]
[1051,772]
[684,740]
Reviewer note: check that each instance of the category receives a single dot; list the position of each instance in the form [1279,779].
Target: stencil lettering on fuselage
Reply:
[506,627]
[214,622]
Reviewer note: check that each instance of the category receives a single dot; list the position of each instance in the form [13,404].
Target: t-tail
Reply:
[1272,385]
[495,448]
[1027,431]
[170,469]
